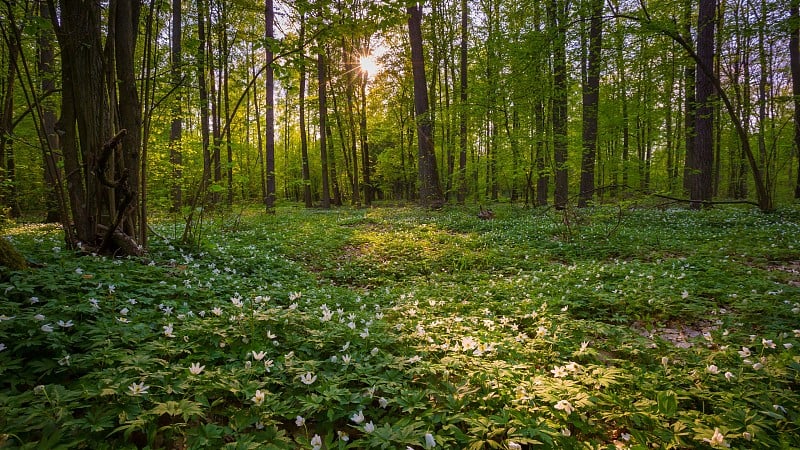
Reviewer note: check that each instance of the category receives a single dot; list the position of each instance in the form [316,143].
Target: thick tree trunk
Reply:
[701,161]
[102,173]
[794,57]
[591,100]
[430,191]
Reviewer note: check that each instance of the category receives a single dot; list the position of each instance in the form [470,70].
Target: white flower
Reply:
[729,376]
[95,303]
[39,317]
[414,359]
[559,371]
[299,421]
[316,442]
[374,351]
[237,302]
[757,366]
[357,417]
[268,364]
[514,446]
[138,389]
[430,442]
[685,294]
[47,328]
[767,343]
[258,356]
[124,311]
[566,432]
[34,300]
[712,369]
[270,335]
[369,427]
[66,324]
[168,331]
[2,346]
[383,402]
[343,436]
[346,359]
[196,368]
[217,311]
[308,378]
[717,439]
[744,352]
[584,347]
[788,345]
[258,398]
[326,315]
[64,361]
[565,406]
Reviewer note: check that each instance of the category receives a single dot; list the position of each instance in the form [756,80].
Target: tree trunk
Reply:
[557,13]
[322,78]
[591,100]
[302,107]
[102,182]
[701,161]
[794,57]
[430,191]
[462,155]
[50,157]
[176,128]
[269,27]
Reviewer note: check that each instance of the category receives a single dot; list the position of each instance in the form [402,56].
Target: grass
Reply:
[401,327]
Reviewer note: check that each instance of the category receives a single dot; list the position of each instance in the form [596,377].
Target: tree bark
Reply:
[269,32]
[794,57]
[430,191]
[322,76]
[557,13]
[591,101]
[176,128]
[702,158]
[462,133]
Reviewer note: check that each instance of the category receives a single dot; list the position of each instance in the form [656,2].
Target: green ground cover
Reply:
[401,327]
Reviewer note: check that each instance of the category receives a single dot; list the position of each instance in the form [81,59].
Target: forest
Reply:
[349,224]
[351,103]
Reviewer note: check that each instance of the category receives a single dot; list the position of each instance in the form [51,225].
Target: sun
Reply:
[369,65]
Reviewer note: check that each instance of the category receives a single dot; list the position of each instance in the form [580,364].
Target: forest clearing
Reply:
[610,327]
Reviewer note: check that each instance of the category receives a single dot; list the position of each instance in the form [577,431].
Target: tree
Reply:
[700,160]
[591,98]
[176,129]
[463,130]
[430,191]
[269,37]
[101,155]
[557,11]
[794,62]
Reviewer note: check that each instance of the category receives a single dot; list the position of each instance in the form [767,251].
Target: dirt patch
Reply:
[679,335]
[792,268]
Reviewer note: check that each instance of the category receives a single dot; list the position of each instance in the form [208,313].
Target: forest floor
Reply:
[610,327]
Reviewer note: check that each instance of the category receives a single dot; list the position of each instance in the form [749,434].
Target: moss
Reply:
[10,258]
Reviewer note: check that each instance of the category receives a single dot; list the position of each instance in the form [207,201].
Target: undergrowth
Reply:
[401,327]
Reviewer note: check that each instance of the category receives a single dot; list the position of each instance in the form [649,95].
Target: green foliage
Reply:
[395,328]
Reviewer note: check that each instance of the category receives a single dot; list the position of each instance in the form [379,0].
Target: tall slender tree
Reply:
[794,62]
[557,12]
[176,128]
[430,191]
[591,99]
[701,158]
